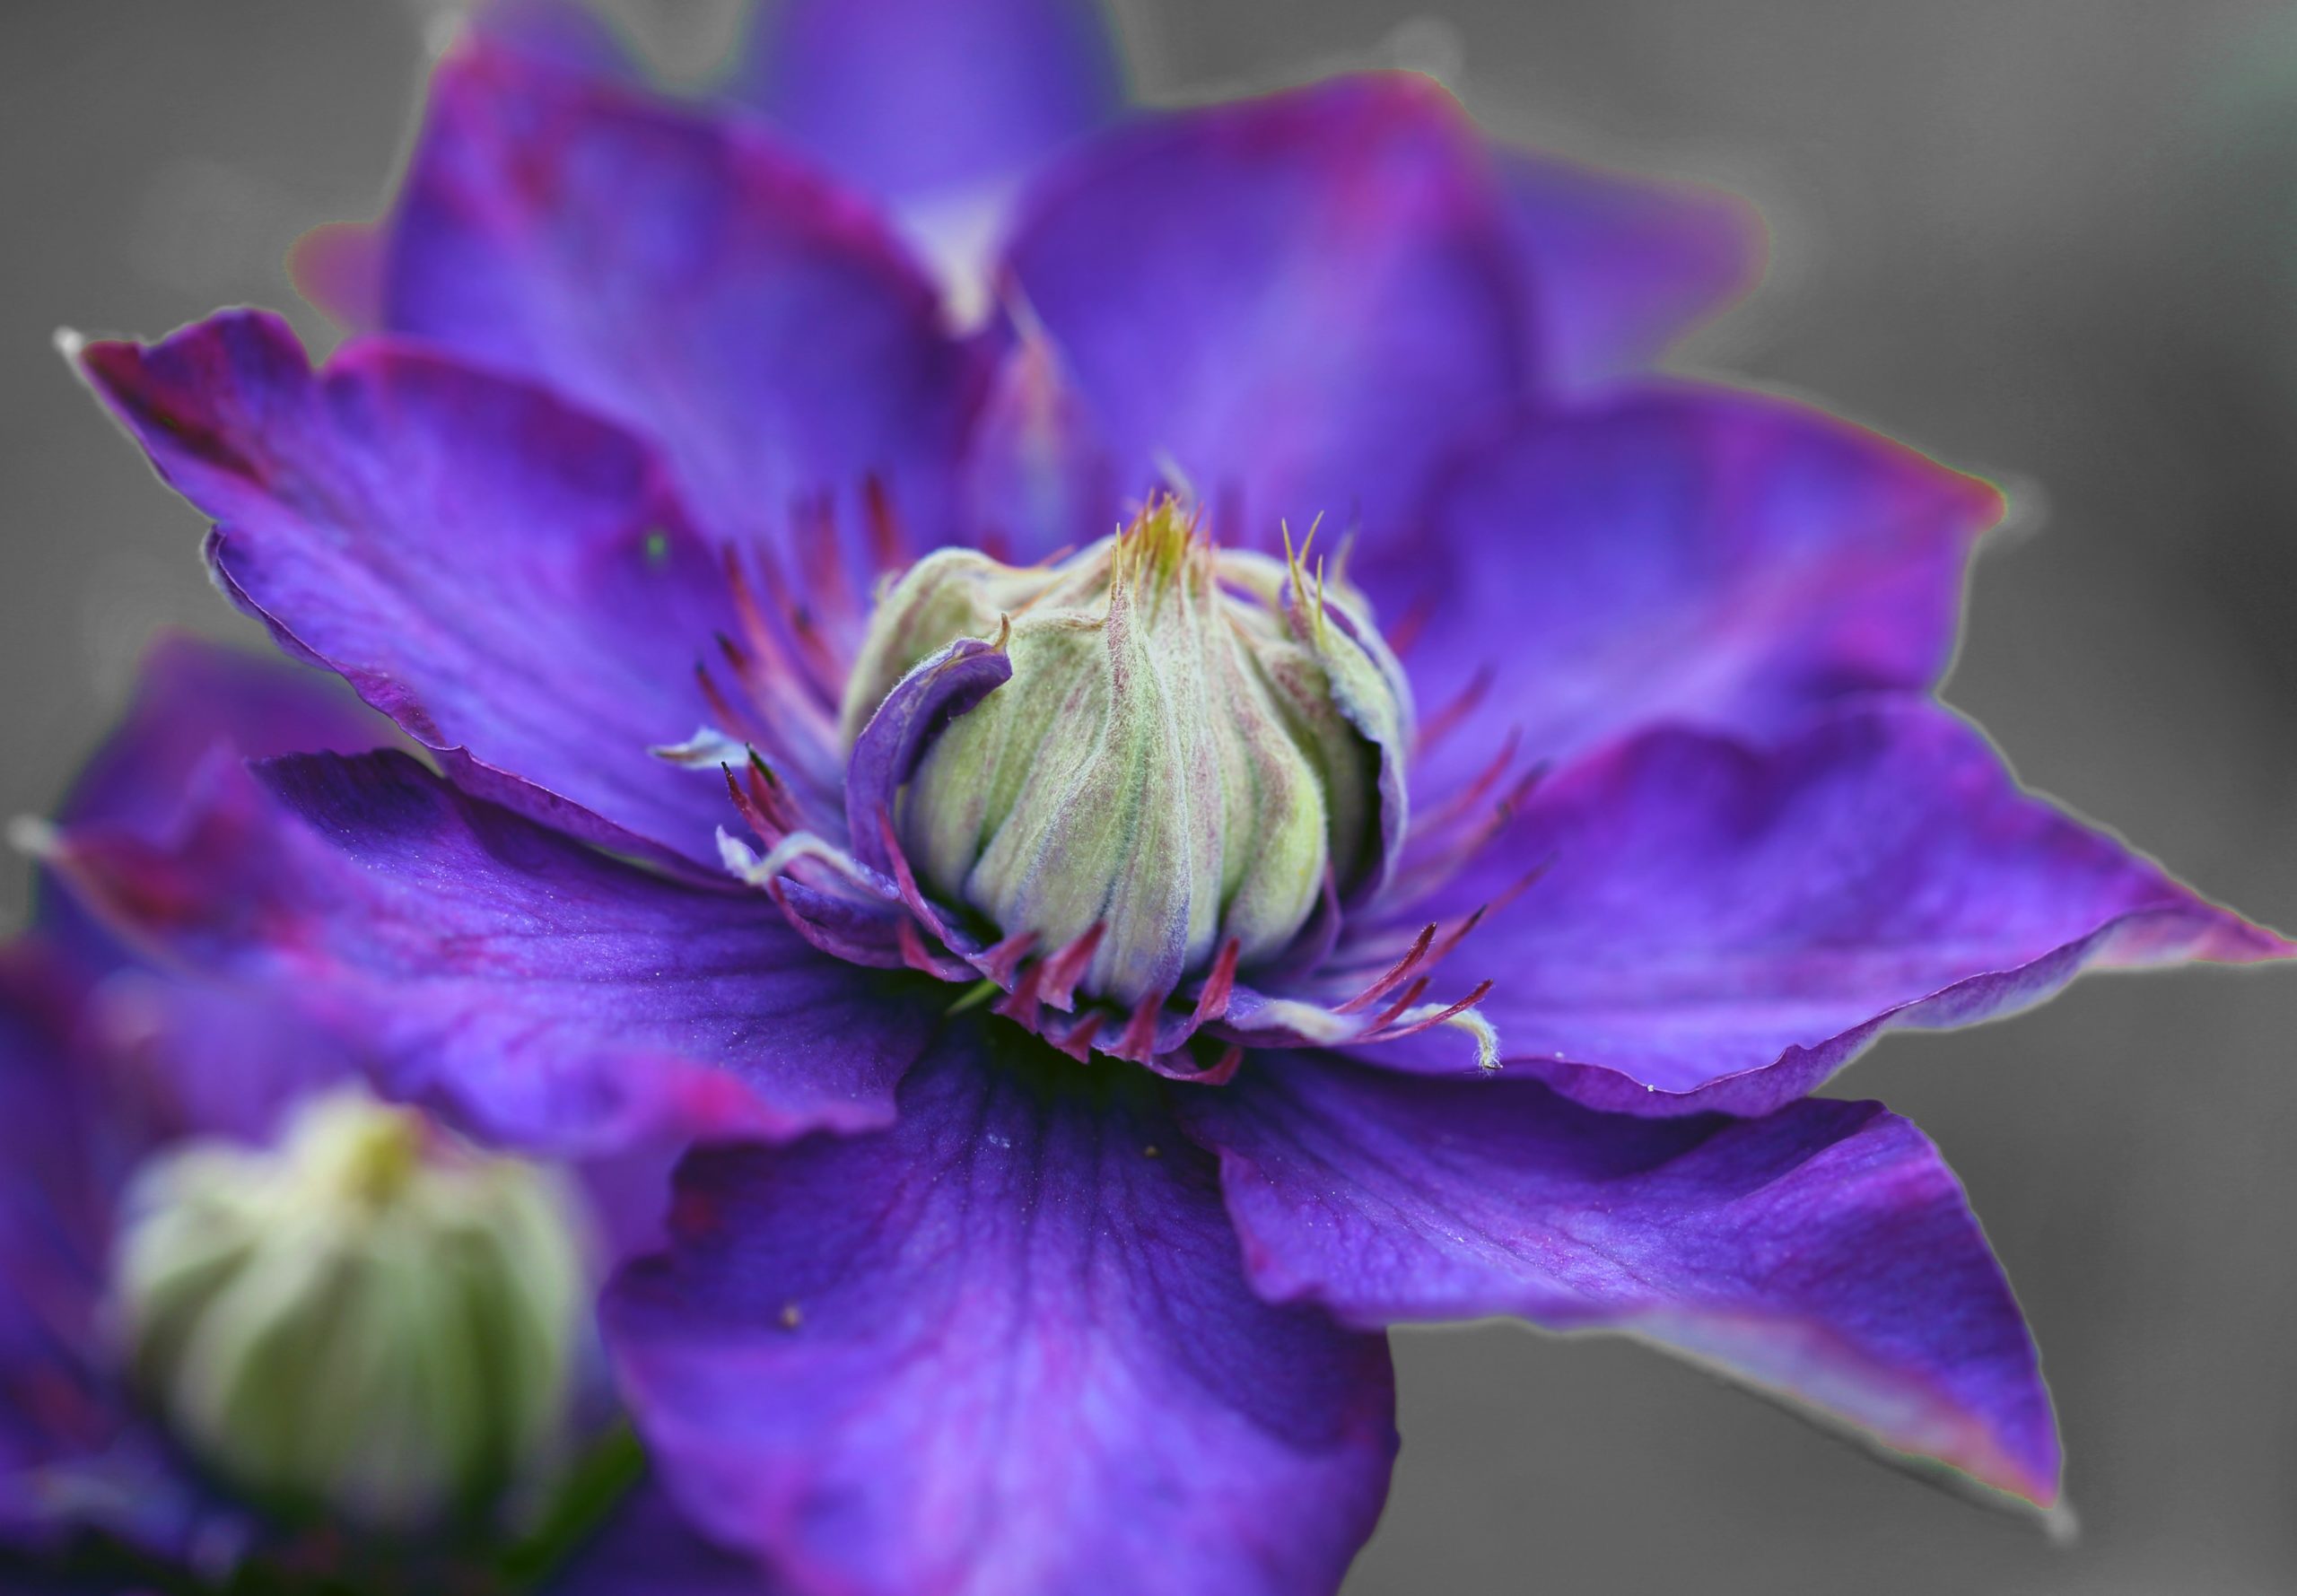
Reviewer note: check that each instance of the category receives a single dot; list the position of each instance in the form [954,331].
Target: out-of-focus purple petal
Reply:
[685,275]
[72,1455]
[1824,1253]
[1620,267]
[1004,1346]
[566,34]
[543,993]
[55,1209]
[338,267]
[646,1547]
[173,1058]
[507,578]
[1299,302]
[1037,478]
[190,697]
[1723,927]
[1678,553]
[905,98]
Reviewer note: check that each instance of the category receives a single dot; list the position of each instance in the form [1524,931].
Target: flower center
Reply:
[1196,757]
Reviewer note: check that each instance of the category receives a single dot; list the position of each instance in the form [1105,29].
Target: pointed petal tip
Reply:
[69,342]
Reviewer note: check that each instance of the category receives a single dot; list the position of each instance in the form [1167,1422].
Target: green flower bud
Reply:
[1189,744]
[371,1320]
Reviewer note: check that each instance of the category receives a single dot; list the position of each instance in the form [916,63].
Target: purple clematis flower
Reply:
[1115,976]
[113,1068]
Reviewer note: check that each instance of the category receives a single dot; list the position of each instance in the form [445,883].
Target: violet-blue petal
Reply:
[1620,267]
[904,97]
[340,266]
[191,696]
[508,579]
[543,993]
[1678,553]
[1824,1253]
[55,1207]
[935,692]
[646,1546]
[686,275]
[1005,1345]
[1299,302]
[1037,478]
[72,1455]
[1723,926]
[570,35]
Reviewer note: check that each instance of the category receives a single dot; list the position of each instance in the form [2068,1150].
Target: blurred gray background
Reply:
[2054,241]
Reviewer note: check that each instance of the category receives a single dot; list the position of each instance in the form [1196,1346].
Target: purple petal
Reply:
[1299,302]
[934,692]
[190,697]
[1037,478]
[1682,553]
[506,578]
[1620,267]
[566,34]
[337,266]
[910,97]
[684,275]
[55,1207]
[1004,1346]
[72,1455]
[1723,928]
[178,1057]
[647,1547]
[1824,1253]
[544,993]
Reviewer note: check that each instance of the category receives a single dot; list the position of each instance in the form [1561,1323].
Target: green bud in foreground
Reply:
[371,1320]
[1188,746]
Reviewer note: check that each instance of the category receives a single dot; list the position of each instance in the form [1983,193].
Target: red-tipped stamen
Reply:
[1066,967]
[1003,958]
[1448,718]
[1077,1040]
[905,882]
[1482,991]
[1427,822]
[1402,967]
[1387,1017]
[1021,1004]
[1410,626]
[1139,1042]
[752,815]
[1213,1002]
[888,544]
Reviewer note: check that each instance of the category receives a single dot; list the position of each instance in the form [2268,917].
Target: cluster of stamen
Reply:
[835,860]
